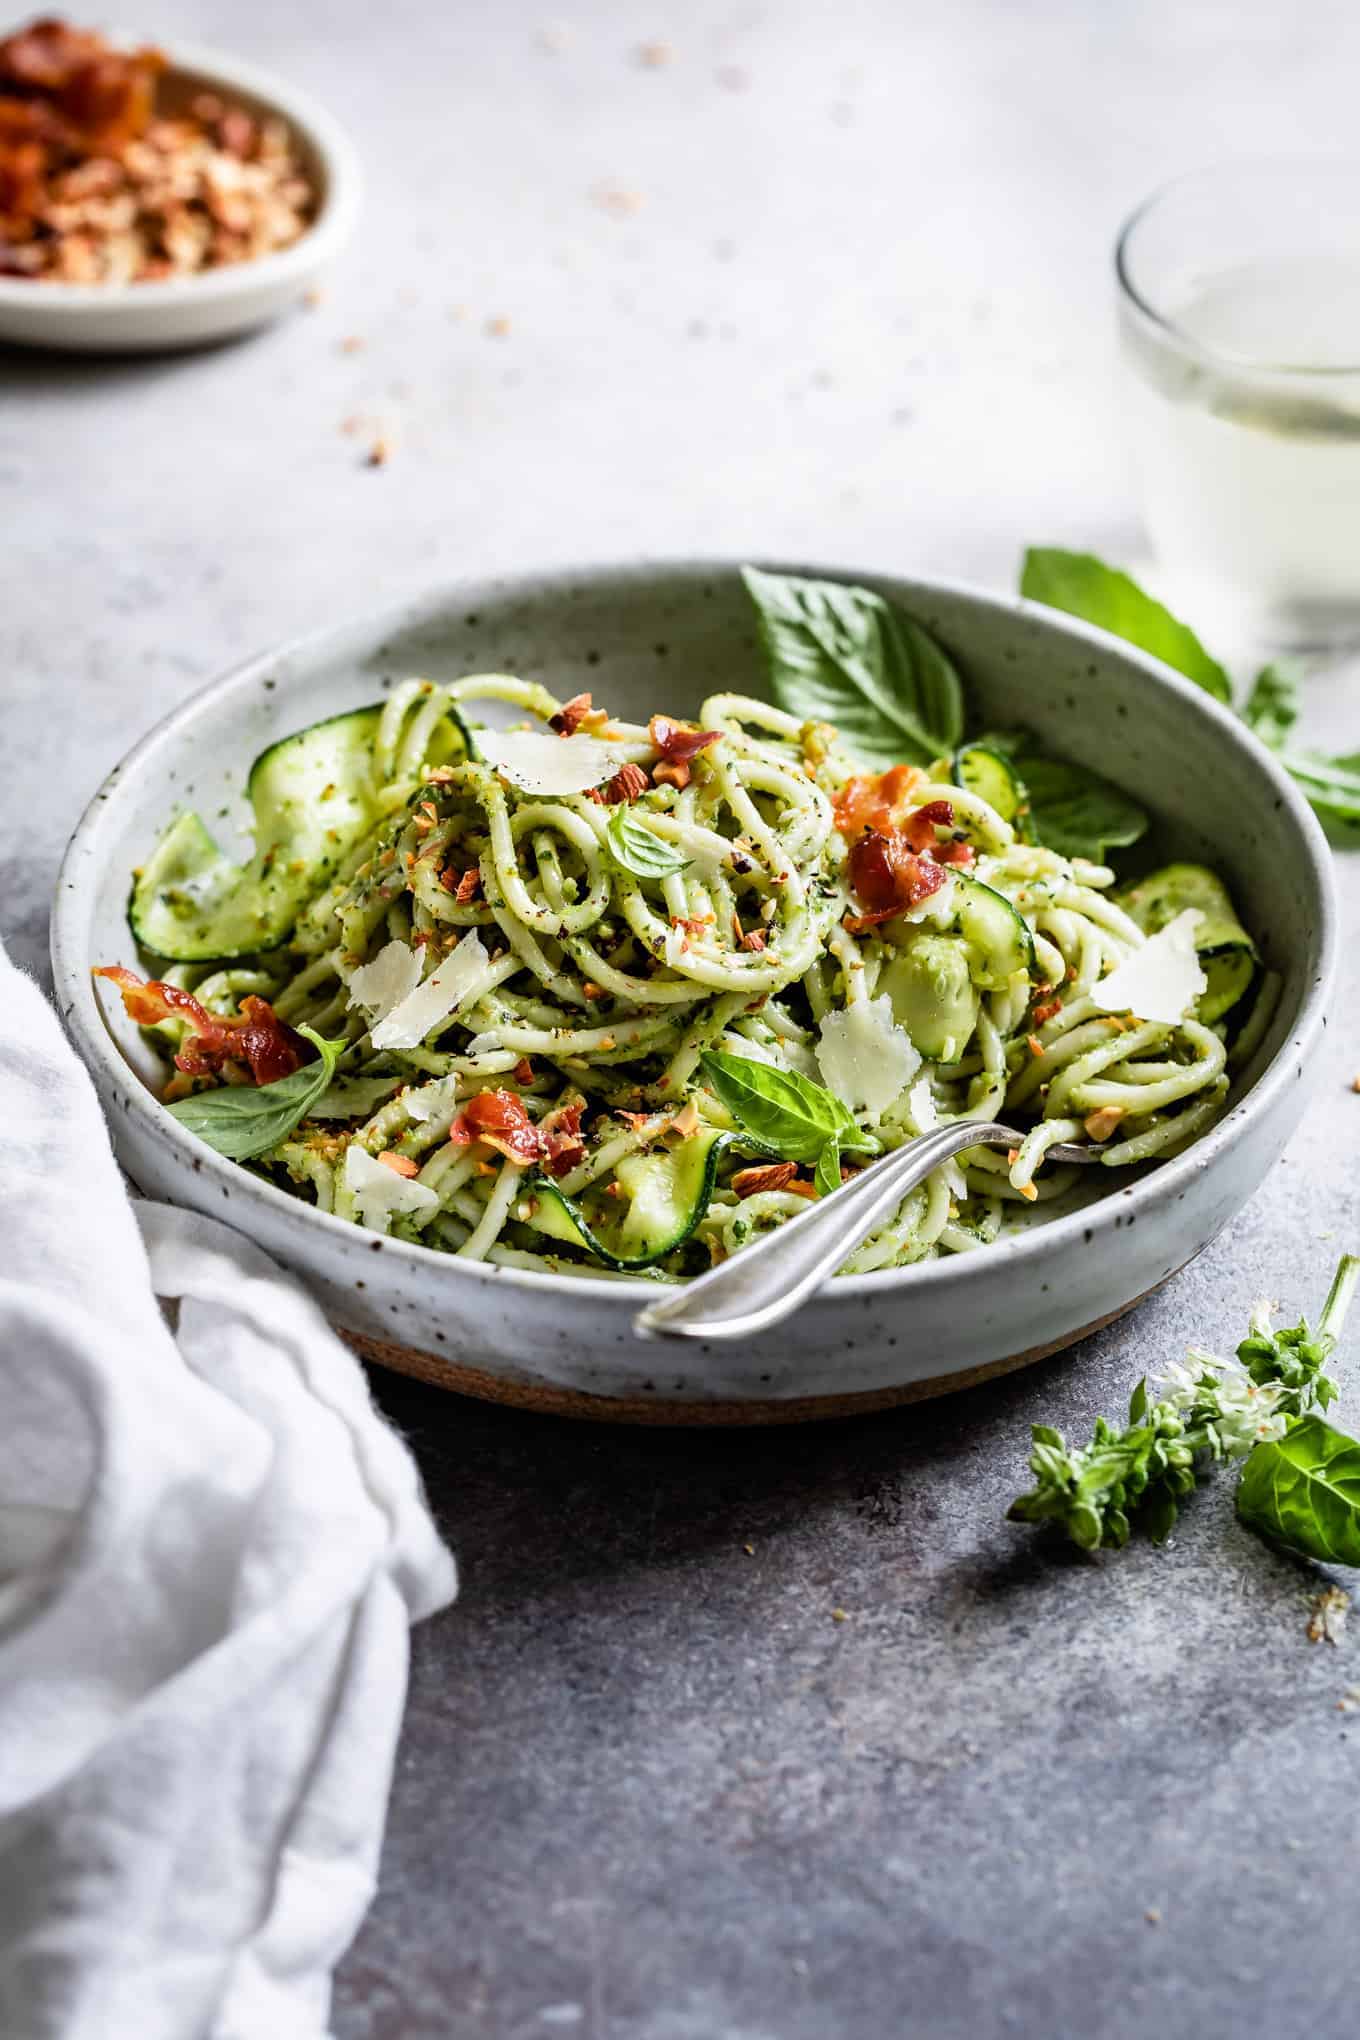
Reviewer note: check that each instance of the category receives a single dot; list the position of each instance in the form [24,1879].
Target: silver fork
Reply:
[765,1282]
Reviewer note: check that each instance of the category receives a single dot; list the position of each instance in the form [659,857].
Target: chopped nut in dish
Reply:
[101,182]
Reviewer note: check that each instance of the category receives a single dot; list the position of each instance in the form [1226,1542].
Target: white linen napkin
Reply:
[211,1548]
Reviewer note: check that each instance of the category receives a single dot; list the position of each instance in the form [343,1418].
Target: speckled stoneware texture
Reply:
[650,637]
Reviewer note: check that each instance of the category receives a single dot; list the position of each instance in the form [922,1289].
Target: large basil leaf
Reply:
[633,847]
[843,655]
[244,1120]
[1084,586]
[782,1111]
[1304,1491]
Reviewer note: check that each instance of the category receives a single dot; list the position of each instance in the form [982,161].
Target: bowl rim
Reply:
[321,239]
[85,1017]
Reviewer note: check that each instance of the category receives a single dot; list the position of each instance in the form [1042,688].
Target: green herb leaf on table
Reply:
[785,1113]
[1303,1491]
[244,1120]
[1085,587]
[843,655]
[635,849]
[1207,1411]
[1332,785]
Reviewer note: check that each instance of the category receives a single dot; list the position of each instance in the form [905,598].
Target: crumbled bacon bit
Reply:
[958,852]
[627,784]
[1046,1010]
[920,826]
[769,1176]
[571,715]
[1102,1123]
[875,802]
[889,877]
[523,1072]
[678,745]
[501,1120]
[560,1135]
[258,1037]
[400,1165]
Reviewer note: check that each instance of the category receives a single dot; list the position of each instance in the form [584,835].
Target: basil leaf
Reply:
[827,1175]
[1332,785]
[1065,807]
[1084,586]
[244,1120]
[1272,707]
[843,655]
[1076,812]
[780,1110]
[634,848]
[1304,1491]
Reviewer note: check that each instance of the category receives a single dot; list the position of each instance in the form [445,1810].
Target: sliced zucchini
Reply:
[933,995]
[999,942]
[991,777]
[666,1193]
[313,799]
[1228,955]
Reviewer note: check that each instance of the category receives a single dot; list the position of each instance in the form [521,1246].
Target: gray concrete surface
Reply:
[829,282]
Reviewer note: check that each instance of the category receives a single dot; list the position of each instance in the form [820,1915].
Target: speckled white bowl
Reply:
[647,637]
[189,311]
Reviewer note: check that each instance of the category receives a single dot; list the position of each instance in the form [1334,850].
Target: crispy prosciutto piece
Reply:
[259,1039]
[678,746]
[920,826]
[501,1120]
[878,801]
[889,877]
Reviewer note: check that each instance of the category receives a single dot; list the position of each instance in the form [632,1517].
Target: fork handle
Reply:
[765,1282]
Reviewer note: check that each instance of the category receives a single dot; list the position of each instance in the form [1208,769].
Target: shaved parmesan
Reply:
[380,986]
[865,1057]
[442,993]
[1160,981]
[539,762]
[379,1192]
[434,1100]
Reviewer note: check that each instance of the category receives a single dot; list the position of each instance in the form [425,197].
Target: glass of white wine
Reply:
[1239,308]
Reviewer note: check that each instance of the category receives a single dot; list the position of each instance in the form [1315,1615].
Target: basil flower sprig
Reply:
[1302,1486]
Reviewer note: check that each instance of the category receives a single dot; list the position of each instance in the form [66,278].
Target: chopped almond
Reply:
[1048,1010]
[571,715]
[686,1121]
[1101,1124]
[769,1176]
[754,938]
[1035,1046]
[1028,1190]
[627,784]
[592,990]
[400,1165]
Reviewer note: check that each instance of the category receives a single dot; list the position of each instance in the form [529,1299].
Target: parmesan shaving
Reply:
[442,993]
[379,987]
[539,762]
[1160,981]
[865,1057]
[379,1192]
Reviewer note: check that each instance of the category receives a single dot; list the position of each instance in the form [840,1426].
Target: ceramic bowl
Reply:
[649,637]
[188,311]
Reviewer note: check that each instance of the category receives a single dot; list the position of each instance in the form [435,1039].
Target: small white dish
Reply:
[216,304]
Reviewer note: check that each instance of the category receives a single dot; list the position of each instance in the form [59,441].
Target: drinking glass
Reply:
[1239,314]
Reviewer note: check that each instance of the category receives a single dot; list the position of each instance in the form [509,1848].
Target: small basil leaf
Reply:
[783,1111]
[1084,586]
[827,1176]
[842,655]
[244,1120]
[1272,707]
[635,849]
[1075,812]
[1303,1490]
[1138,1402]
